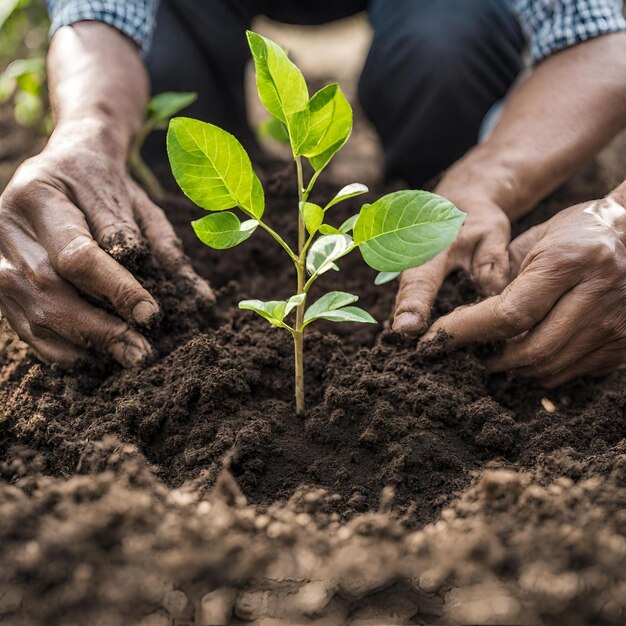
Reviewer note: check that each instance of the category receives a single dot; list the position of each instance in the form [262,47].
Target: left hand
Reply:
[564,314]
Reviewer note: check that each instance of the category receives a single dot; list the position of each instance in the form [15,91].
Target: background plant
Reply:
[158,113]
[399,231]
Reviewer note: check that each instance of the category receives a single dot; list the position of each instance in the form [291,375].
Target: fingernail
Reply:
[205,291]
[409,323]
[130,354]
[144,312]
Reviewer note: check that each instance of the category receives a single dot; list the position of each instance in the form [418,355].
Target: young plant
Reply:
[159,111]
[399,231]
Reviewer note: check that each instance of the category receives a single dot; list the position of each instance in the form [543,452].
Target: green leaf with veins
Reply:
[328,302]
[349,191]
[212,167]
[281,85]
[165,105]
[313,215]
[336,114]
[325,251]
[348,314]
[405,229]
[385,277]
[223,230]
[274,311]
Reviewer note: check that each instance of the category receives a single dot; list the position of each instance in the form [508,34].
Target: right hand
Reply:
[480,249]
[58,215]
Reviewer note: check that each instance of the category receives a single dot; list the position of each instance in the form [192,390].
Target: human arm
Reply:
[554,121]
[67,210]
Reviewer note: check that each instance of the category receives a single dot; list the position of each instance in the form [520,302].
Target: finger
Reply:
[108,209]
[417,293]
[522,245]
[62,230]
[47,346]
[490,264]
[166,246]
[524,303]
[534,353]
[598,363]
[90,327]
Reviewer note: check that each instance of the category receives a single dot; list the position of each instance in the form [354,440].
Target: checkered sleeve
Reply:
[134,18]
[552,25]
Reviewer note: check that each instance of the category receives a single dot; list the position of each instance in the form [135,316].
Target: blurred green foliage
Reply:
[23,41]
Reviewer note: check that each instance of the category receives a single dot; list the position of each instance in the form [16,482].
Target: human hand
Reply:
[61,213]
[480,248]
[564,315]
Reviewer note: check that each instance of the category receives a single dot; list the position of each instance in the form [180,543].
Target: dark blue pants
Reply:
[434,69]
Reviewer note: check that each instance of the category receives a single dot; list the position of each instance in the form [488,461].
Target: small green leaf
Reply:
[405,229]
[275,129]
[328,302]
[273,310]
[339,112]
[212,167]
[293,302]
[165,105]
[348,314]
[281,85]
[327,229]
[223,230]
[313,215]
[385,277]
[349,191]
[348,225]
[325,251]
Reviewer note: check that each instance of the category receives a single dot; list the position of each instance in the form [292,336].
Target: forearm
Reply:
[98,81]
[555,121]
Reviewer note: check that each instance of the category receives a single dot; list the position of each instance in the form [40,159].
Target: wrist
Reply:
[98,131]
[481,177]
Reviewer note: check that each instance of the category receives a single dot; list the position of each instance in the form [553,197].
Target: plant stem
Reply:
[145,177]
[298,334]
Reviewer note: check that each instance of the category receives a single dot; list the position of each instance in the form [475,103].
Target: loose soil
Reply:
[411,464]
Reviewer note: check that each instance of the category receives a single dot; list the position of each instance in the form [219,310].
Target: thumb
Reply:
[522,245]
[490,263]
[418,289]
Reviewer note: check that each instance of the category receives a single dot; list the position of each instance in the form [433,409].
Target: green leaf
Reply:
[348,225]
[293,302]
[385,277]
[212,168]
[334,111]
[348,314]
[405,229]
[273,310]
[6,9]
[328,302]
[325,251]
[281,85]
[313,215]
[275,129]
[349,191]
[223,230]
[165,105]
[327,229]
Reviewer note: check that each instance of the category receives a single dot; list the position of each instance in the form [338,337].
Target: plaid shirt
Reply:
[549,25]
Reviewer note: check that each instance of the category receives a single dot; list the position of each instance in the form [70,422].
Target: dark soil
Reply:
[87,529]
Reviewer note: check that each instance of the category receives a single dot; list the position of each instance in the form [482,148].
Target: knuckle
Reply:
[513,316]
[75,257]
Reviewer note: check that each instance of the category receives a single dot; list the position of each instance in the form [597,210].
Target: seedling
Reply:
[159,111]
[399,231]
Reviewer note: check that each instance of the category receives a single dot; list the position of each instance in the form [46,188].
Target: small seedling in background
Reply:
[399,231]
[24,83]
[159,111]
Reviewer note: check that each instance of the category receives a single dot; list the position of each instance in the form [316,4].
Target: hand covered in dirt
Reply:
[564,315]
[63,217]
[481,249]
